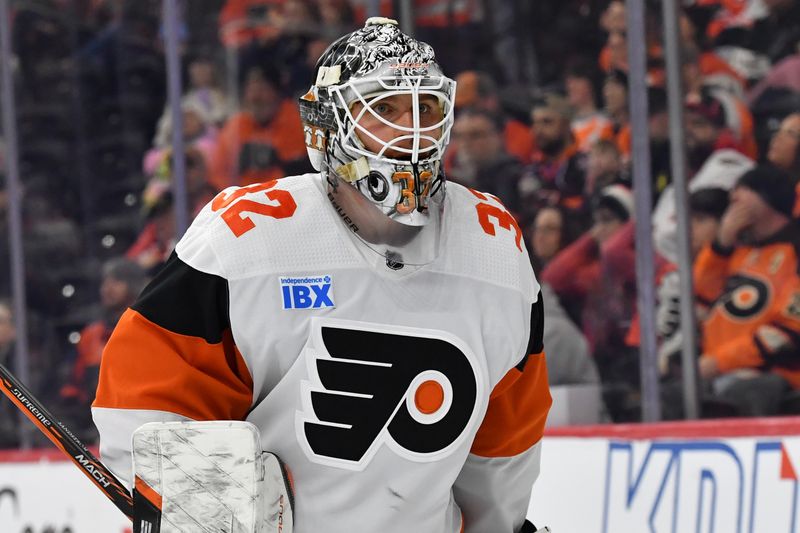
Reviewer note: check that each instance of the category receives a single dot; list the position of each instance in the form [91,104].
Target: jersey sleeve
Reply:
[710,272]
[171,357]
[495,484]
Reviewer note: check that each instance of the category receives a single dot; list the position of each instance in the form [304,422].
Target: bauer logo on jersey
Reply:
[418,392]
[307,292]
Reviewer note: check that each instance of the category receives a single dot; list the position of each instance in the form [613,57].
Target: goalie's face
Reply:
[386,124]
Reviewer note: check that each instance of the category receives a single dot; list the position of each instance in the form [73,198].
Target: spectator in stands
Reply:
[749,278]
[278,31]
[707,207]
[299,30]
[589,124]
[122,282]
[784,147]
[478,90]
[706,129]
[614,56]
[657,124]
[558,173]
[701,64]
[204,89]
[753,46]
[705,80]
[9,416]
[709,146]
[784,75]
[199,133]
[577,275]
[604,167]
[658,132]
[551,231]
[615,99]
[264,140]
[157,239]
[481,161]
[198,186]
[614,22]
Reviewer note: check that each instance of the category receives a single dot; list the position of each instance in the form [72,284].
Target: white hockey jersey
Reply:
[400,400]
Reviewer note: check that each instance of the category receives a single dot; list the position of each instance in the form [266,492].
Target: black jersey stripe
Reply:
[536,341]
[186,301]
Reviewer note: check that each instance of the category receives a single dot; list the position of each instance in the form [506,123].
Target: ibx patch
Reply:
[307,292]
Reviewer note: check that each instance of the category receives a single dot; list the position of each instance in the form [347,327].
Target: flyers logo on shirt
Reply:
[745,297]
[418,392]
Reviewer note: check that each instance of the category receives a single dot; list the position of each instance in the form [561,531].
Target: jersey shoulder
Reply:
[265,228]
[484,241]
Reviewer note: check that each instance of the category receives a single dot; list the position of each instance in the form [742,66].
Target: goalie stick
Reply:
[68,443]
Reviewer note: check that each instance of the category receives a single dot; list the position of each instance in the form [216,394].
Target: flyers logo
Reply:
[416,391]
[744,297]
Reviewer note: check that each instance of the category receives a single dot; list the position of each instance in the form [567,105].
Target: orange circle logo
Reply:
[429,397]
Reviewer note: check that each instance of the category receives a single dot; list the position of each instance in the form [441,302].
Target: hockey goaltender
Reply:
[377,329]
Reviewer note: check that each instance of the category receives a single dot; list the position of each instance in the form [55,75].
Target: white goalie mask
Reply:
[379,117]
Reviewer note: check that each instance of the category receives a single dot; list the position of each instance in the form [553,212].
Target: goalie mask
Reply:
[378,117]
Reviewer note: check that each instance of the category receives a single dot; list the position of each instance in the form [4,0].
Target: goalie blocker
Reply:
[209,476]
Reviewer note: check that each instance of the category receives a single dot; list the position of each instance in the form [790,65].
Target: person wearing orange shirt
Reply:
[264,140]
[749,279]
[589,124]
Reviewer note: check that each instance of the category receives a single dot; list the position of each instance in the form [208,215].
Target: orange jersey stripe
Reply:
[517,411]
[146,366]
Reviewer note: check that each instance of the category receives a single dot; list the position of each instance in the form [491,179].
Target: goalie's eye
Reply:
[382,108]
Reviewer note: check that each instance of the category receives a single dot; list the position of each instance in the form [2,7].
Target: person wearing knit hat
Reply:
[617,199]
[612,208]
[772,185]
[760,207]
[749,279]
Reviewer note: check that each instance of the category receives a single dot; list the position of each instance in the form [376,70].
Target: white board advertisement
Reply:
[695,481]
